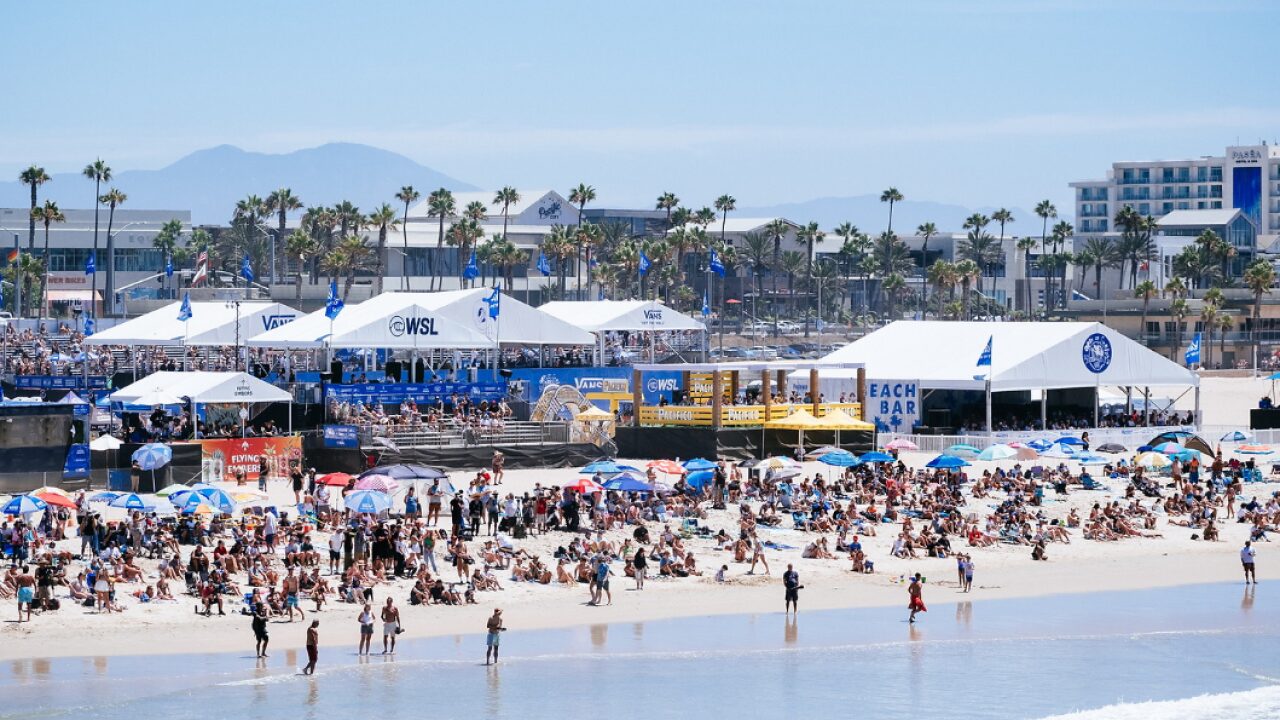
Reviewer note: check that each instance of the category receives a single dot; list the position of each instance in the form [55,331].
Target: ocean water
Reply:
[1206,651]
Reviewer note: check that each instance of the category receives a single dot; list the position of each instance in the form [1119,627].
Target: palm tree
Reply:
[464,234]
[1178,310]
[809,234]
[559,246]
[1102,254]
[893,287]
[967,271]
[24,273]
[99,172]
[47,214]
[440,204]
[586,237]
[408,196]
[1259,277]
[113,199]
[776,229]
[943,276]
[1144,292]
[1209,320]
[1225,325]
[926,231]
[383,218]
[1062,231]
[506,197]
[281,202]
[33,176]
[667,201]
[1004,217]
[299,246]
[1026,245]
[351,255]
[978,244]
[580,196]
[1046,211]
[756,247]
[793,263]
[509,257]
[704,217]
[725,204]
[891,196]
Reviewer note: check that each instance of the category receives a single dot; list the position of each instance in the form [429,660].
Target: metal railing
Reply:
[510,433]
[1130,437]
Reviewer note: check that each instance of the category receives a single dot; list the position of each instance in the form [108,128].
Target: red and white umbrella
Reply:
[378,483]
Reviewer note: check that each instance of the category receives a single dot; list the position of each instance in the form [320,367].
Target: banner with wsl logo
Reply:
[1192,356]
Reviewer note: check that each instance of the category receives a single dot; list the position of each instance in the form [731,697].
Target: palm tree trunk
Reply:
[382,254]
[97,193]
[110,290]
[31,220]
[297,290]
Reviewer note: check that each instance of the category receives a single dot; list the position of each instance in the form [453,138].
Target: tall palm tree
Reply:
[756,247]
[1259,277]
[1102,253]
[408,196]
[1145,291]
[891,196]
[1225,325]
[967,271]
[725,204]
[943,276]
[440,204]
[1062,232]
[47,215]
[926,231]
[1178,310]
[113,199]
[667,201]
[978,245]
[560,246]
[793,264]
[809,235]
[281,202]
[776,229]
[299,246]
[1209,321]
[580,196]
[350,256]
[34,176]
[1046,211]
[24,273]
[99,172]
[383,218]
[893,286]
[464,234]
[506,197]
[1026,245]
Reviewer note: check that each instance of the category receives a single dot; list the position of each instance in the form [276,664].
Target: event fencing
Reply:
[509,433]
[1130,437]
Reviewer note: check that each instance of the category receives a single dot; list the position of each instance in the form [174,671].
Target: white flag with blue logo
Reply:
[1192,355]
[168,266]
[90,266]
[333,304]
[644,263]
[984,361]
[714,264]
[472,270]
[89,325]
[184,311]
[246,269]
[706,304]
[544,265]
[494,301]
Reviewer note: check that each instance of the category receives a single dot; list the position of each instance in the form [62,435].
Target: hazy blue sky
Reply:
[996,102]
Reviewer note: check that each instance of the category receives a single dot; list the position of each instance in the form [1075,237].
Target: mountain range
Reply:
[209,182]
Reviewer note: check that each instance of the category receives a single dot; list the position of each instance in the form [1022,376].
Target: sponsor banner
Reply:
[77,464]
[341,436]
[223,457]
[59,382]
[597,380]
[394,393]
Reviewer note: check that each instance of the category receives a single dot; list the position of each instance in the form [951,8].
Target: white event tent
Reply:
[211,324]
[601,316]
[164,388]
[1024,356]
[457,319]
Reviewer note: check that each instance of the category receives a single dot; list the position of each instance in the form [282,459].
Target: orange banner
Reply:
[226,456]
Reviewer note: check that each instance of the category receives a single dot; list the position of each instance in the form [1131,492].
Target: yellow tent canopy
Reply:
[799,420]
[838,419]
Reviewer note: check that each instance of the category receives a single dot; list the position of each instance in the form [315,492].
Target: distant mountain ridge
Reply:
[209,182]
[872,216]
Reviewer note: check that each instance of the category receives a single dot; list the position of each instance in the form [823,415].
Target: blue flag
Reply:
[706,304]
[90,326]
[246,269]
[2,297]
[90,266]
[494,301]
[984,360]
[184,311]
[544,265]
[714,264]
[333,305]
[472,271]
[644,263]
[1192,356]
[600,295]
[168,266]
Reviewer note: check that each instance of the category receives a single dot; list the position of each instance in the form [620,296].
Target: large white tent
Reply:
[453,319]
[633,315]
[211,323]
[201,387]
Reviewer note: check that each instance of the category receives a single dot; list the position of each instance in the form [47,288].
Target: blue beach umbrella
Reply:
[962,449]
[839,458]
[105,497]
[998,452]
[129,501]
[153,456]
[215,498]
[606,467]
[1040,445]
[1069,440]
[699,478]
[699,464]
[947,462]
[626,482]
[875,456]
[1236,436]
[368,501]
[22,505]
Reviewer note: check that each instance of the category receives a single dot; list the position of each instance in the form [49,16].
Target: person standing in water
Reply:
[491,641]
[916,601]
[313,648]
[260,616]
[1246,559]
[791,585]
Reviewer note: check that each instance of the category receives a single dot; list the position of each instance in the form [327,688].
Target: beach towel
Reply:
[778,546]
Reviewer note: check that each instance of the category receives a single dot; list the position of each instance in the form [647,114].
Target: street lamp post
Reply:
[109,289]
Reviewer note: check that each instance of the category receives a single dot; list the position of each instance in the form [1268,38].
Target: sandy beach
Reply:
[1002,571]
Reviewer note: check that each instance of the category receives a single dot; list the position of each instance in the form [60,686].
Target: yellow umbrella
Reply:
[1153,460]
[838,419]
[799,420]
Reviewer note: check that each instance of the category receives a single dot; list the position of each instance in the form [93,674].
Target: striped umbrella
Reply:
[368,501]
[22,505]
[378,483]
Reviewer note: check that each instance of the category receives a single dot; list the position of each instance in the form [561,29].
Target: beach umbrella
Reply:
[50,490]
[901,444]
[197,508]
[406,472]
[191,502]
[247,497]
[699,478]
[1236,436]
[999,452]
[1183,437]
[129,501]
[1039,445]
[218,498]
[815,454]
[1169,448]
[22,505]
[962,449]
[368,501]
[841,458]
[153,456]
[336,479]
[699,464]
[875,457]
[1111,448]
[55,499]
[105,497]
[1254,450]
[1058,451]
[631,468]
[749,463]
[627,482]
[1090,459]
[670,467]
[947,462]
[178,494]
[778,462]
[586,486]
[1153,460]
[1069,440]
[605,467]
[378,483]
[105,442]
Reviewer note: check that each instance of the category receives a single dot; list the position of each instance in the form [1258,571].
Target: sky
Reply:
[985,103]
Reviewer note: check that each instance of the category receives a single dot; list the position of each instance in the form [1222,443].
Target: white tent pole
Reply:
[1097,396]
[1146,405]
[988,394]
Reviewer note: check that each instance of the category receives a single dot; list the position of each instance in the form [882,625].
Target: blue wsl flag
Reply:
[246,269]
[544,265]
[1192,355]
[472,271]
[715,265]
[644,263]
[90,266]
[706,303]
[90,325]
[184,311]
[168,266]
[494,301]
[984,361]
[333,305]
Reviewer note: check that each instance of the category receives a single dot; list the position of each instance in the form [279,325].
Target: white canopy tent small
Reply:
[203,388]
[1024,356]
[601,316]
[211,324]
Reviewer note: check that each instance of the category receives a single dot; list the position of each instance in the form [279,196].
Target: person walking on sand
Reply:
[1246,559]
[792,586]
[757,555]
[313,648]
[390,627]
[916,601]
[491,641]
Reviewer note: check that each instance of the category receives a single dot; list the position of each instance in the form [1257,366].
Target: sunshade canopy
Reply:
[203,387]
[799,420]
[603,315]
[211,323]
